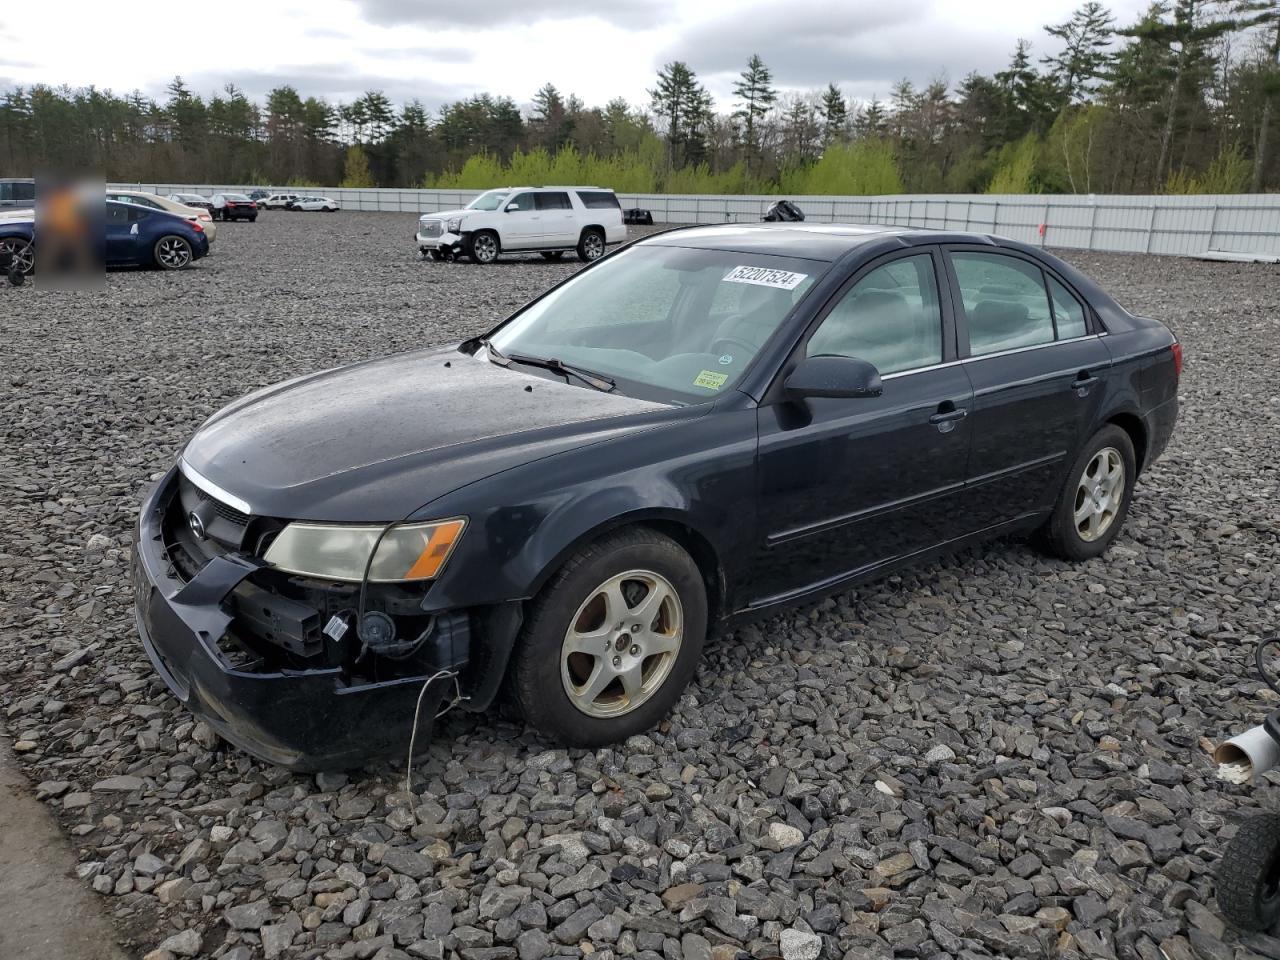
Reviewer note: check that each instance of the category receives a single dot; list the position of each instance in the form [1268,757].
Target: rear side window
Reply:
[1067,311]
[599,200]
[890,318]
[17,191]
[1004,302]
[552,201]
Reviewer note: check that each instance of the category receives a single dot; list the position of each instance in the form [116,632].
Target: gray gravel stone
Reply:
[1021,735]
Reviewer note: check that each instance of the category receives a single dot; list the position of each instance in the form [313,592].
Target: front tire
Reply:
[612,640]
[172,253]
[591,245]
[1248,888]
[482,247]
[1095,499]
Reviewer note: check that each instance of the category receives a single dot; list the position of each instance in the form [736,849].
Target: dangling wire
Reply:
[417,710]
[1267,677]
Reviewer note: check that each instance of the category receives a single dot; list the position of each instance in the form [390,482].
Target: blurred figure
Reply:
[69,232]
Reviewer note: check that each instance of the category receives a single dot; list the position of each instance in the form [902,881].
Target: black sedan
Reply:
[700,428]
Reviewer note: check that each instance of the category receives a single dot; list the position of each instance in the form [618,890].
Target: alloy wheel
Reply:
[174,253]
[622,643]
[1099,494]
[23,254]
[485,247]
[593,246]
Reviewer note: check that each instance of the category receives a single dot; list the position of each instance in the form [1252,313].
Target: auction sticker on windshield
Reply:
[766,277]
[710,379]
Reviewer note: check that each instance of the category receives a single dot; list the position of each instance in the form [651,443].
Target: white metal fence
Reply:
[1178,225]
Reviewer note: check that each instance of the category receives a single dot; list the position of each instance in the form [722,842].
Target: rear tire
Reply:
[589,632]
[1248,888]
[591,245]
[1094,501]
[172,253]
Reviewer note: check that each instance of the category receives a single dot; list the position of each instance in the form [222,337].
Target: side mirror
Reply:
[846,377]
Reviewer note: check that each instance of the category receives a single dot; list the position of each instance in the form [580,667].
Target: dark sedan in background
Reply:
[699,428]
[234,206]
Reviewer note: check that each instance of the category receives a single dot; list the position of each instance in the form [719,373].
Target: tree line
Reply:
[1183,100]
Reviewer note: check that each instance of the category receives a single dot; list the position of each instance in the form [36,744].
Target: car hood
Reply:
[447,214]
[377,440]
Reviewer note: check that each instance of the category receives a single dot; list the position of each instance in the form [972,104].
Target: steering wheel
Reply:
[720,344]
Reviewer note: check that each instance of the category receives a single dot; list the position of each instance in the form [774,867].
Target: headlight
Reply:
[454,224]
[340,551]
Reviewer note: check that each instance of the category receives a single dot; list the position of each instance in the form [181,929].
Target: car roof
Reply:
[809,241]
[555,186]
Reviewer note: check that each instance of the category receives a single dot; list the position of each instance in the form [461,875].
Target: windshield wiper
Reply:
[597,380]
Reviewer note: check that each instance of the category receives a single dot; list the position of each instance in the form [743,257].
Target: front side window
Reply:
[521,202]
[552,201]
[1004,302]
[675,324]
[891,318]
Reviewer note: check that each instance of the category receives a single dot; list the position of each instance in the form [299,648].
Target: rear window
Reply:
[599,200]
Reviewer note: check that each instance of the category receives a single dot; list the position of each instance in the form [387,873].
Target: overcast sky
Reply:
[438,50]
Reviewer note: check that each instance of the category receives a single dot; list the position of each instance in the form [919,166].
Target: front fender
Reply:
[525,522]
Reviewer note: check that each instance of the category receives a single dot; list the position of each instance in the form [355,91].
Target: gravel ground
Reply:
[995,755]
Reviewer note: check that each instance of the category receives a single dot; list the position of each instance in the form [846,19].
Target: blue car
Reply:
[142,237]
[132,236]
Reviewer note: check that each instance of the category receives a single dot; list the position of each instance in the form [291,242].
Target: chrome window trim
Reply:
[989,356]
[212,489]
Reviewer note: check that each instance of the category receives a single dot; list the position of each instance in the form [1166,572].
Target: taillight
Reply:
[1177,359]
[196,227]
[204,216]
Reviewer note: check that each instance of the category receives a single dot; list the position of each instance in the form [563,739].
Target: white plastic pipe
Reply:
[1249,755]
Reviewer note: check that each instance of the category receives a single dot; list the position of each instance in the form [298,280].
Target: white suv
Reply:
[278,201]
[548,220]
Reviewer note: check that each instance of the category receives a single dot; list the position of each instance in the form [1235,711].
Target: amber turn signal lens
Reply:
[436,552]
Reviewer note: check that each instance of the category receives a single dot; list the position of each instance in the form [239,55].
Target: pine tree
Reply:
[835,115]
[1083,60]
[684,105]
[1263,14]
[755,93]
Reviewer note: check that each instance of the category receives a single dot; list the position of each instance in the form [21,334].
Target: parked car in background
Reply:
[17,238]
[17,192]
[259,194]
[546,220]
[705,427]
[193,200]
[143,199]
[315,203]
[234,206]
[277,201]
[143,236]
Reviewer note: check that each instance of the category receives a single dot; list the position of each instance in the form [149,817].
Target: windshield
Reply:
[488,201]
[678,322]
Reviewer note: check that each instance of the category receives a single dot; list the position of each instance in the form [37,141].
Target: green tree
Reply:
[756,96]
[835,115]
[355,169]
[1083,59]
[684,105]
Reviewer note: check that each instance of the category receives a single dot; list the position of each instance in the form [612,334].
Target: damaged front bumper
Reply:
[451,244]
[321,718]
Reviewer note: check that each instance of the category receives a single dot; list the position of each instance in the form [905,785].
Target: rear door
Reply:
[1037,368]
[556,218]
[521,224]
[849,485]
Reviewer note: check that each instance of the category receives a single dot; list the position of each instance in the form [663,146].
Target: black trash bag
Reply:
[783,211]
[638,216]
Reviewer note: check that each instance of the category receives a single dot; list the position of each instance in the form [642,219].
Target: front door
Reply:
[1036,370]
[848,485]
[122,227]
